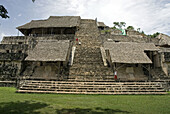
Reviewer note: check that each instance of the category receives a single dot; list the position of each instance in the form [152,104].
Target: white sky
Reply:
[149,15]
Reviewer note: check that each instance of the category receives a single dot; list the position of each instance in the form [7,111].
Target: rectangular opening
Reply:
[7,51]
[61,63]
[136,65]
[19,51]
[20,42]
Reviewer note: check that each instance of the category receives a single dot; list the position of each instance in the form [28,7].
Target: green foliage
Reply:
[119,24]
[105,31]
[3,12]
[116,23]
[143,32]
[114,27]
[130,28]
[19,103]
[122,24]
[154,35]
[138,29]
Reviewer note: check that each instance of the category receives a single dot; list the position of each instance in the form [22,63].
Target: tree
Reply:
[138,29]
[116,24]
[130,28]
[119,24]
[154,35]
[122,24]
[142,32]
[4,12]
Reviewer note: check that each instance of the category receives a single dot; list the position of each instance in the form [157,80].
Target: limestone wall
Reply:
[51,31]
[166,62]
[44,70]
[132,72]
[13,48]
[167,56]
[12,56]
[116,32]
[13,51]
[28,39]
[55,37]
[16,40]
[10,70]
[132,32]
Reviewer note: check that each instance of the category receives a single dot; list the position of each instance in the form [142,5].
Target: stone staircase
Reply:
[88,75]
[91,87]
[88,27]
[88,63]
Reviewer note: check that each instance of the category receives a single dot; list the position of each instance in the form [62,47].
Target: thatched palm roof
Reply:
[49,51]
[53,21]
[128,52]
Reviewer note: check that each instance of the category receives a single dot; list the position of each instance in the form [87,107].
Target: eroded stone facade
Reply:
[87,62]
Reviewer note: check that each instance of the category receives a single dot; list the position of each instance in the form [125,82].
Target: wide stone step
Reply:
[90,73]
[85,58]
[90,61]
[74,78]
[107,88]
[91,66]
[90,41]
[87,55]
[92,90]
[90,78]
[92,87]
[90,38]
[157,83]
[88,49]
[84,45]
[91,70]
[87,62]
[105,93]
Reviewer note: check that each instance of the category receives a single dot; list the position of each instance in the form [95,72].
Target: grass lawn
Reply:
[11,102]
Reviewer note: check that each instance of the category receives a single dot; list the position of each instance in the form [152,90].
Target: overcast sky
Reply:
[149,15]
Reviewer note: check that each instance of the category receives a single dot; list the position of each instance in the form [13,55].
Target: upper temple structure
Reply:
[70,49]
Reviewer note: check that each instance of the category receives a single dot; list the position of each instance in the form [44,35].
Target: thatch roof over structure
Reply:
[53,21]
[131,46]
[49,51]
[101,24]
[129,57]
[128,52]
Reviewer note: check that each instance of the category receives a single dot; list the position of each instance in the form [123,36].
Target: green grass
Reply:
[11,102]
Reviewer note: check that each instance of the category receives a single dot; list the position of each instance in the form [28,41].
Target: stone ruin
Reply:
[66,48]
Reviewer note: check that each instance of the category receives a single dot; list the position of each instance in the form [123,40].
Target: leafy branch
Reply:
[4,12]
